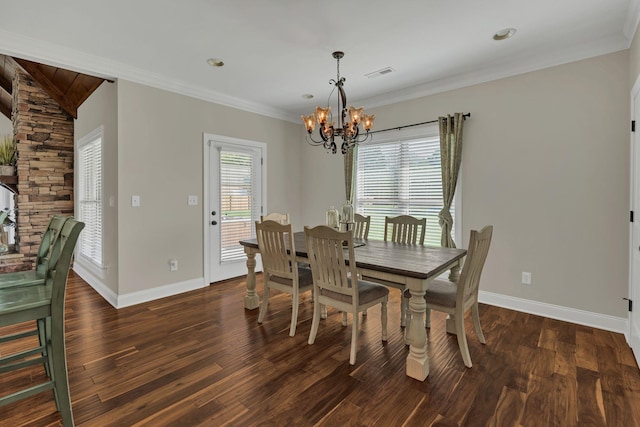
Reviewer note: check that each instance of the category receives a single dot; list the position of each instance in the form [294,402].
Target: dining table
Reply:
[412,266]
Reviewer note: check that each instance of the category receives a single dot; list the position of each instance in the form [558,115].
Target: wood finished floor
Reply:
[199,358]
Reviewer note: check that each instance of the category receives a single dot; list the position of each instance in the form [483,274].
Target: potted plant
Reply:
[7,155]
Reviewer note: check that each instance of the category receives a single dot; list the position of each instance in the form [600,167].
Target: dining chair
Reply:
[280,270]
[43,303]
[404,229]
[456,299]
[361,226]
[36,276]
[282,218]
[336,284]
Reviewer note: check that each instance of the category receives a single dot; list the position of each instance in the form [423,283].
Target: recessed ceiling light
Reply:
[504,34]
[215,62]
[307,96]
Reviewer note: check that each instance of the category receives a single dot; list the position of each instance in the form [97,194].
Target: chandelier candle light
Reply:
[348,128]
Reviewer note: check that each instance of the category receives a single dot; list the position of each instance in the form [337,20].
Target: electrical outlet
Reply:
[135,201]
[173,264]
[192,200]
[526,278]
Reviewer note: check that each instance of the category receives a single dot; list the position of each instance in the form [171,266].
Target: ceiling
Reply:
[277,50]
[69,88]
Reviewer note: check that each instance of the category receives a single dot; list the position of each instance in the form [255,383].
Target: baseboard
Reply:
[146,295]
[635,343]
[133,298]
[96,283]
[567,314]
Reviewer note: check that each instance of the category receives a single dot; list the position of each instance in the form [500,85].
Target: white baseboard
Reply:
[97,284]
[635,343]
[567,314]
[133,298]
[146,295]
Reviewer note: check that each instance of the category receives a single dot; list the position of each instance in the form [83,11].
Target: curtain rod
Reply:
[464,116]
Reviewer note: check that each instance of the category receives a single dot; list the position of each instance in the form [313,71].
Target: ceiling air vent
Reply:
[380,72]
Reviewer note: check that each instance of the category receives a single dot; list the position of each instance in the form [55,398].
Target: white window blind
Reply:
[400,178]
[90,198]
[239,201]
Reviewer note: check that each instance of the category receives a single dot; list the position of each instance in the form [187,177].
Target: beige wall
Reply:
[160,158]
[5,125]
[101,110]
[634,59]
[546,161]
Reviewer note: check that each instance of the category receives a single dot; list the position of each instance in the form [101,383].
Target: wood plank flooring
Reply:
[201,359]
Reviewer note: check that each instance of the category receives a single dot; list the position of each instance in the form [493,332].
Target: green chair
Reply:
[36,276]
[43,303]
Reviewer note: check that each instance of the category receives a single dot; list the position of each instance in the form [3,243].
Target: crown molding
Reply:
[60,56]
[631,23]
[63,57]
[496,72]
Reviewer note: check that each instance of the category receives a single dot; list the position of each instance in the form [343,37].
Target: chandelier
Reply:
[349,120]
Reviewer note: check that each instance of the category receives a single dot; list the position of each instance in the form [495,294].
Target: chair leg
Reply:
[383,317]
[354,339]
[43,338]
[344,318]
[476,323]
[403,310]
[462,339]
[294,313]
[263,306]
[315,322]
[59,375]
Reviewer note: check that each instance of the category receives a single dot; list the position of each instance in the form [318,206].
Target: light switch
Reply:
[192,200]
[135,201]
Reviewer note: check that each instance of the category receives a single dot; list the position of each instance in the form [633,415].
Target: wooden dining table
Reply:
[413,266]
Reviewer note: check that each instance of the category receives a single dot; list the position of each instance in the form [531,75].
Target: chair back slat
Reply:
[361,226]
[327,259]
[60,261]
[49,237]
[277,248]
[469,282]
[405,229]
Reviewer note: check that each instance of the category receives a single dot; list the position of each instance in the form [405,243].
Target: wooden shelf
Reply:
[10,182]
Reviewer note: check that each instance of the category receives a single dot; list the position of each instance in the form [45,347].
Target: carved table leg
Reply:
[417,360]
[251,300]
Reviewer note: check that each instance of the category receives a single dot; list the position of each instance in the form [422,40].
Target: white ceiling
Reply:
[277,50]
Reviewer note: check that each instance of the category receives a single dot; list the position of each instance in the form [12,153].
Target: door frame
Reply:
[633,336]
[207,139]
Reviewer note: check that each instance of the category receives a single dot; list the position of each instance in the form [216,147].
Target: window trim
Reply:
[427,131]
[89,138]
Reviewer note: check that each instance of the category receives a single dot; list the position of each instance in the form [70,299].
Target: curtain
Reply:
[349,170]
[450,156]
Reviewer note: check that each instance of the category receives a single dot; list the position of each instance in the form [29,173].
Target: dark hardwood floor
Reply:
[200,358]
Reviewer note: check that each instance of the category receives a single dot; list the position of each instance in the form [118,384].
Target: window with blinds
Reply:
[400,178]
[90,197]
[239,201]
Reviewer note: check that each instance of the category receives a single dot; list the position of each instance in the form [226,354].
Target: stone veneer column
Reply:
[44,134]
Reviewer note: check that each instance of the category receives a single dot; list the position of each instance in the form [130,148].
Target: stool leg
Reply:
[57,354]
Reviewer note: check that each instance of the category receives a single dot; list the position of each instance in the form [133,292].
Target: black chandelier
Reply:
[349,120]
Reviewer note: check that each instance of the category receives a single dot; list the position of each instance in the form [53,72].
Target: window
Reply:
[90,196]
[401,177]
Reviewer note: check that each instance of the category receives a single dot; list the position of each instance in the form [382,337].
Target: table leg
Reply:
[251,300]
[417,360]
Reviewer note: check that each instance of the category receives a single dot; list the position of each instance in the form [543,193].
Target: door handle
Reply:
[214,222]
[213,212]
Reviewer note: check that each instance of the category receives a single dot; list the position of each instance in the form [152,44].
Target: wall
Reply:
[101,109]
[546,161]
[160,158]
[5,125]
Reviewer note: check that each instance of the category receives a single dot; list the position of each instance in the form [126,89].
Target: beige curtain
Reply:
[450,156]
[349,169]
